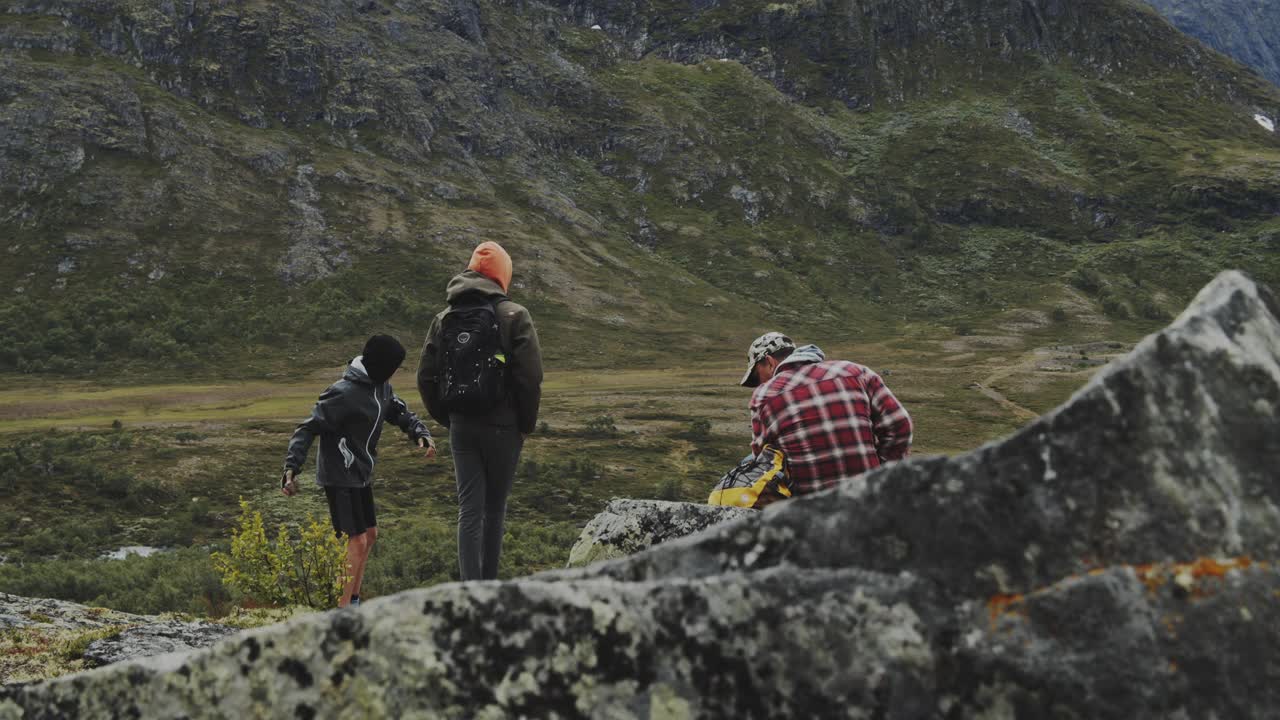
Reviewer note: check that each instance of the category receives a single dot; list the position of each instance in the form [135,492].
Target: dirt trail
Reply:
[1026,363]
[1070,359]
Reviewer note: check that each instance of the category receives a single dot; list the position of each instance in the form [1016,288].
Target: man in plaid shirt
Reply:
[831,419]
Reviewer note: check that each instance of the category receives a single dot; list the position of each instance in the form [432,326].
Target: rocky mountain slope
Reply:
[1247,30]
[1114,559]
[246,185]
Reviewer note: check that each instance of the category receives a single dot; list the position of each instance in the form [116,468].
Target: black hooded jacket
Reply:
[348,418]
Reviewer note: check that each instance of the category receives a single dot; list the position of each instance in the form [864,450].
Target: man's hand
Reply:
[430,445]
[289,484]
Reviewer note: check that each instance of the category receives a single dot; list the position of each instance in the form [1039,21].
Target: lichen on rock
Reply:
[626,527]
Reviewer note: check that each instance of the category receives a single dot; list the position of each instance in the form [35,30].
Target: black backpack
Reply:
[473,363]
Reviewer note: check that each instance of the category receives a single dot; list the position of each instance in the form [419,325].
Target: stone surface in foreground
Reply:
[626,527]
[155,637]
[1034,577]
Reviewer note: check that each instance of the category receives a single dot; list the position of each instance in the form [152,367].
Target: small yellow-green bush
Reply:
[307,567]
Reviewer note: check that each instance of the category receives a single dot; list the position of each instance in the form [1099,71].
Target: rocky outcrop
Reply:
[1110,560]
[626,527]
[17,612]
[155,637]
[120,635]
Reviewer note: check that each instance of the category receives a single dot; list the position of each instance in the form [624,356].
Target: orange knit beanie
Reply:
[490,260]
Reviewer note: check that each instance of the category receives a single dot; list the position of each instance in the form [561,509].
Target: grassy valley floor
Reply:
[87,468]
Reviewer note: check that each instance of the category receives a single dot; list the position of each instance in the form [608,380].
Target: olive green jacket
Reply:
[520,343]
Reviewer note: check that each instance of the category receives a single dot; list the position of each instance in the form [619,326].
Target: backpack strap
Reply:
[503,341]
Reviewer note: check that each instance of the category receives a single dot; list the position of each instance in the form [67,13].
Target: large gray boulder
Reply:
[626,527]
[1104,562]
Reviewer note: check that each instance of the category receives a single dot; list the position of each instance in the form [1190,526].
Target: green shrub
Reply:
[412,554]
[670,487]
[1149,309]
[179,581]
[307,568]
[601,426]
[1113,307]
[699,429]
[534,546]
[1087,280]
[555,490]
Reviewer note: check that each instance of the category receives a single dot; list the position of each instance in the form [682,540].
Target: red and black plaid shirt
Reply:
[832,420]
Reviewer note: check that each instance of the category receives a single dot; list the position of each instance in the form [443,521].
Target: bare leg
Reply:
[370,537]
[355,555]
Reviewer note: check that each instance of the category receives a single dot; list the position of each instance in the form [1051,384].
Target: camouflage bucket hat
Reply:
[765,345]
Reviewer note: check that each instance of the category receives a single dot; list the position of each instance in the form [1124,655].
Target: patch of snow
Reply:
[596,27]
[126,551]
[1265,122]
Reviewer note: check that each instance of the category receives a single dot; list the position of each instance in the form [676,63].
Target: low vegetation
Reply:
[306,566]
[74,493]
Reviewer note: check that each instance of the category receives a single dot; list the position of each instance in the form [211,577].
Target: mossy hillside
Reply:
[1029,179]
[859,168]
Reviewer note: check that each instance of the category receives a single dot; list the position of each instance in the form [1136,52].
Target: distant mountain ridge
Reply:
[1247,30]
[234,184]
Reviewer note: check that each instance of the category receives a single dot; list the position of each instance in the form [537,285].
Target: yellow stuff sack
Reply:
[756,482]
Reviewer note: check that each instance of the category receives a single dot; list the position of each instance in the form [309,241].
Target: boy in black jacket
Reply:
[348,418]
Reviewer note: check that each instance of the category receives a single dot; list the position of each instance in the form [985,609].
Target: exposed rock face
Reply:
[1247,31]
[1035,577]
[629,526]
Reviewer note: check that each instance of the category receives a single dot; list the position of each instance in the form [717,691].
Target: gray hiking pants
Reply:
[484,460]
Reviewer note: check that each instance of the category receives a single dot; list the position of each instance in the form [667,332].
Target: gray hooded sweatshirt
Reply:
[348,418]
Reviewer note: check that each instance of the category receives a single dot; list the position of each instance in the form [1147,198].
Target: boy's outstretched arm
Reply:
[401,416]
[326,416]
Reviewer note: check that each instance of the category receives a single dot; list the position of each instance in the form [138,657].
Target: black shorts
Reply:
[351,510]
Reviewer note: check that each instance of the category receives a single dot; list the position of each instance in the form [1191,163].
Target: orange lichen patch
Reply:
[1149,576]
[1000,604]
[1188,575]
[1214,568]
